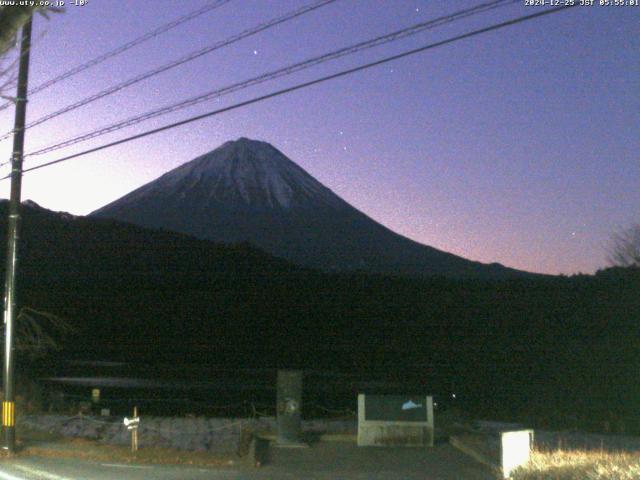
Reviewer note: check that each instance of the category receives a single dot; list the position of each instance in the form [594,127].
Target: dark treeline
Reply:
[557,351]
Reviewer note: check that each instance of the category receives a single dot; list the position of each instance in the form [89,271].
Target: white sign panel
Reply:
[515,450]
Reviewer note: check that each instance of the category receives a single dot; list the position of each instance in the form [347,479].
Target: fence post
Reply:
[134,432]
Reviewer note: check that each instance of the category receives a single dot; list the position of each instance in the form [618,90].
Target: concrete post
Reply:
[289,407]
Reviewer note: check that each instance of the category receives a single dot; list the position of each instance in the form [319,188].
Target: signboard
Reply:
[399,420]
[131,423]
[515,449]
[396,408]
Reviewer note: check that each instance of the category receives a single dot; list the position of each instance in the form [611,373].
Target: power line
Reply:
[303,85]
[277,73]
[284,71]
[123,48]
[182,60]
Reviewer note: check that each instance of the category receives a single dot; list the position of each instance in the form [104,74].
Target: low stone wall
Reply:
[195,434]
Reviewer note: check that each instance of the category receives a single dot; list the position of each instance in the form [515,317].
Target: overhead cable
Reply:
[123,48]
[302,85]
[280,72]
[180,61]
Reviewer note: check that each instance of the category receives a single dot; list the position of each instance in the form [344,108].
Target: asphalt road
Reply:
[332,461]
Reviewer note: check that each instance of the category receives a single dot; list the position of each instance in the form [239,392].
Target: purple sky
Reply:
[518,146]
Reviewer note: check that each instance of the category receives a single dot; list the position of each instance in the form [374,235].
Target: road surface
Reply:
[331,461]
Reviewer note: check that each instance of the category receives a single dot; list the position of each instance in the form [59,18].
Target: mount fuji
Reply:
[248,191]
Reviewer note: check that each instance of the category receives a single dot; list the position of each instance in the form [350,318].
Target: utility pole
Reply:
[9,381]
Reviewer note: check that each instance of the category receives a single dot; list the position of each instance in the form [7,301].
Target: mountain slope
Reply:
[58,247]
[247,190]
[132,292]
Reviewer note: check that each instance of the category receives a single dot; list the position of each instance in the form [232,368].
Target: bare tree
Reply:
[625,248]
[39,333]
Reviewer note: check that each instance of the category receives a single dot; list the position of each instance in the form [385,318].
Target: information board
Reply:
[395,420]
[396,408]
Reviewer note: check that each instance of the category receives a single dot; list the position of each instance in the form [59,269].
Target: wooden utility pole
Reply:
[9,381]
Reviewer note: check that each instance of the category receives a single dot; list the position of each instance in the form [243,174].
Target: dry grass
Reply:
[87,450]
[44,444]
[580,465]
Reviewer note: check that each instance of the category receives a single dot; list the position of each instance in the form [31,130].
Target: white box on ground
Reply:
[395,420]
[515,449]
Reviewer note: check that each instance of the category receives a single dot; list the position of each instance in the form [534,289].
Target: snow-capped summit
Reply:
[250,172]
[248,191]
[242,173]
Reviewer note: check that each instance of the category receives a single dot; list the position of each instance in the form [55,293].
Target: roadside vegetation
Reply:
[580,465]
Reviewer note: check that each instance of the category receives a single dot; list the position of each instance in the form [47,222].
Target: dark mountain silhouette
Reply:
[60,245]
[248,191]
